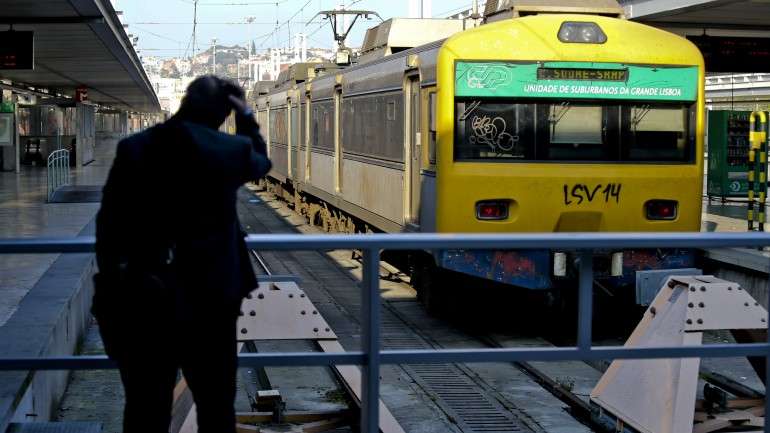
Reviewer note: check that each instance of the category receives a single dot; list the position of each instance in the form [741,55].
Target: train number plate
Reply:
[584,193]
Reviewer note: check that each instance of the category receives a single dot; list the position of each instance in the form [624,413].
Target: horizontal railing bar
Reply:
[416,241]
[101,362]
[411,241]
[298,359]
[571,353]
[81,244]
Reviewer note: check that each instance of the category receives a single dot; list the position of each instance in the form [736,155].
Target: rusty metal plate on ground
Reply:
[281,311]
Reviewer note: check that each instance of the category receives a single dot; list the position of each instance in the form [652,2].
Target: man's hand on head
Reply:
[240,106]
[245,123]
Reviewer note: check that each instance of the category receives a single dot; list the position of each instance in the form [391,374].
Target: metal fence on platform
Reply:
[370,357]
[58,173]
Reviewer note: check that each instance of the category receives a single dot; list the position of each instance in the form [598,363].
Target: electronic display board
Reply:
[734,54]
[17,50]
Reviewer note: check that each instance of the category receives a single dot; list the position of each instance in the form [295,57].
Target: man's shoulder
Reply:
[142,136]
[134,144]
[215,136]
[218,144]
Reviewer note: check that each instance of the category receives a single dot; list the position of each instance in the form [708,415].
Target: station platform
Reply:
[44,298]
[24,212]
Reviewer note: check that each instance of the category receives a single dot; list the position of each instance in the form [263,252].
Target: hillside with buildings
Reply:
[171,75]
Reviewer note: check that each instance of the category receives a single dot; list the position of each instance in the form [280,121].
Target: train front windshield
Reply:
[603,131]
[575,111]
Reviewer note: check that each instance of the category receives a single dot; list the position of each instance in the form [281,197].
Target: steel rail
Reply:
[261,261]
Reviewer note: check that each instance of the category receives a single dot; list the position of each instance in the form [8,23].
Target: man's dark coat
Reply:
[171,198]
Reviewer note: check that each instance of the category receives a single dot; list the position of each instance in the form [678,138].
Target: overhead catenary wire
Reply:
[278,26]
[247,3]
[316,30]
[261,40]
[181,23]
[157,35]
[196,3]
[453,10]
[321,25]
[179,50]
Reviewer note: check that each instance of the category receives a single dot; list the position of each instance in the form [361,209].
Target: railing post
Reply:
[585,299]
[57,170]
[370,395]
[48,182]
[767,378]
[767,386]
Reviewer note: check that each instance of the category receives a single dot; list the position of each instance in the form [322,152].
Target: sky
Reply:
[164,27]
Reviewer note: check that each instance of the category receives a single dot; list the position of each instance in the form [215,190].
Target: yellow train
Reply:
[548,122]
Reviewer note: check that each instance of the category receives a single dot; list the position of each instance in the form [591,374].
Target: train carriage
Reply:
[541,123]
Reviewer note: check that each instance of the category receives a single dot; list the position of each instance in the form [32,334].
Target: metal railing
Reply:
[370,357]
[58,172]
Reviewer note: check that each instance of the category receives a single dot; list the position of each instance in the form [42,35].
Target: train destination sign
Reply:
[576,80]
[582,74]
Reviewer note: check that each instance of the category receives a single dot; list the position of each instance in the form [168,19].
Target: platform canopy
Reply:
[79,44]
[733,35]
[717,14]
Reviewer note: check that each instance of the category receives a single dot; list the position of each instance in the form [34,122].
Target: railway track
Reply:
[468,397]
[472,406]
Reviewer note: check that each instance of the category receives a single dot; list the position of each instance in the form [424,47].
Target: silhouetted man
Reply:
[173,264]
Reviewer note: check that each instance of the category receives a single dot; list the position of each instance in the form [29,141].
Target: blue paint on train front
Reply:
[532,269]
[646,260]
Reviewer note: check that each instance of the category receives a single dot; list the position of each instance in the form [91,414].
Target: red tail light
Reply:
[492,210]
[661,209]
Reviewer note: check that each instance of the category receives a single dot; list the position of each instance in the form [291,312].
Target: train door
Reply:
[289,139]
[267,129]
[337,140]
[264,124]
[296,114]
[308,124]
[413,149]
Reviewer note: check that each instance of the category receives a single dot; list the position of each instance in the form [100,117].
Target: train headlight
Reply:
[661,209]
[578,32]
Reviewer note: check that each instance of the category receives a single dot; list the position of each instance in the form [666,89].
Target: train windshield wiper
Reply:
[469,109]
[639,115]
[557,113]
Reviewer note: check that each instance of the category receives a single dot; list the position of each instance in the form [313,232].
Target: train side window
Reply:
[315,122]
[432,134]
[391,110]
[321,134]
